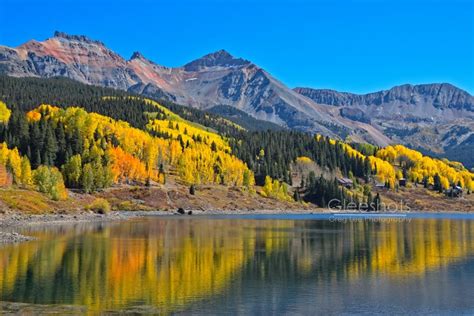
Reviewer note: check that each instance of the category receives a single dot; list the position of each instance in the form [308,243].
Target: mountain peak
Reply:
[221,53]
[78,38]
[137,55]
[220,58]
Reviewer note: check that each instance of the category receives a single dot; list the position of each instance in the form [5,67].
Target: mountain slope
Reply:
[100,139]
[25,94]
[243,119]
[440,96]
[214,79]
[436,118]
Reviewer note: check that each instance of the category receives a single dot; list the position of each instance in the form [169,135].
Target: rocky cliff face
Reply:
[421,115]
[434,117]
[75,57]
[439,95]
[220,58]
[215,79]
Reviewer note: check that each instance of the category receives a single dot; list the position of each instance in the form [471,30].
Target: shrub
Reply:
[49,180]
[129,206]
[100,206]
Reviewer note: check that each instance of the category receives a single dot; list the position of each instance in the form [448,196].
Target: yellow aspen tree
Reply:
[5,113]
[14,165]
[26,175]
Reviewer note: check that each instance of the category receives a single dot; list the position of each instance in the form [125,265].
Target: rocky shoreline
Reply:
[11,222]
[11,238]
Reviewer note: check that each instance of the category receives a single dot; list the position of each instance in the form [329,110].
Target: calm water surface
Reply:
[248,265]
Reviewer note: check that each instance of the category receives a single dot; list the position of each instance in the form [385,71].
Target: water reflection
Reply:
[177,264]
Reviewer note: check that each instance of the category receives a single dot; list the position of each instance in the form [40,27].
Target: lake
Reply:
[258,264]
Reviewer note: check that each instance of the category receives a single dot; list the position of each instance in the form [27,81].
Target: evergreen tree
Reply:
[296,196]
[370,202]
[437,183]
[377,202]
[50,146]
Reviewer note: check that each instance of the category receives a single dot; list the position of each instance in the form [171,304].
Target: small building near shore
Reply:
[379,185]
[346,182]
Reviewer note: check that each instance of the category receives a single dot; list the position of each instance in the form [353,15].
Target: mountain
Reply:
[216,79]
[100,137]
[58,133]
[440,96]
[243,119]
[435,117]
[73,56]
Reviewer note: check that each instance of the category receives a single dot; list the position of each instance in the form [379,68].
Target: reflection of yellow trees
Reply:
[167,265]
[354,249]
[170,264]
[150,270]
[415,248]
[15,261]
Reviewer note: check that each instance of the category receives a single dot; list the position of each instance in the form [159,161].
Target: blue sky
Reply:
[358,46]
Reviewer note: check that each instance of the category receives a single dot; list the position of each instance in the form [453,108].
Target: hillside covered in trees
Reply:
[58,135]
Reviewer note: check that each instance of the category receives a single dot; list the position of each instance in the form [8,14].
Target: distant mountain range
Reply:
[436,118]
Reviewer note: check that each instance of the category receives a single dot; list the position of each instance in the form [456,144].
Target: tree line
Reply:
[271,153]
[188,140]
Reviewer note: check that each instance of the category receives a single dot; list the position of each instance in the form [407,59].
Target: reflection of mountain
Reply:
[171,264]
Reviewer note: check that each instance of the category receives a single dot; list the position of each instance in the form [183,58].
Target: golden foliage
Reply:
[18,166]
[198,155]
[385,171]
[126,167]
[5,113]
[275,189]
[391,160]
[424,167]
[100,206]
[43,110]
[49,180]
[303,159]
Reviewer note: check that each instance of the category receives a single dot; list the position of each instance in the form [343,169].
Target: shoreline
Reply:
[10,222]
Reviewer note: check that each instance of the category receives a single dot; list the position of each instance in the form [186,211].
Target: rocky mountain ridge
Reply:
[435,117]
[440,95]
[212,80]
